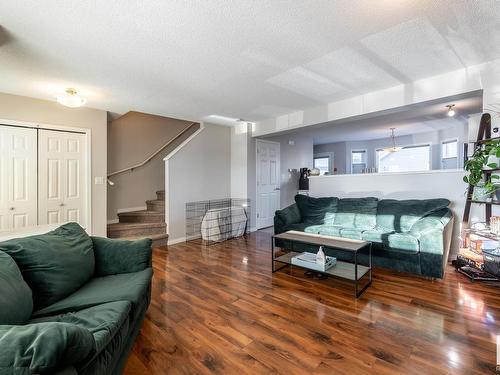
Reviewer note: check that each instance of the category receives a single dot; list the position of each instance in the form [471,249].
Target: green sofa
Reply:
[407,235]
[71,303]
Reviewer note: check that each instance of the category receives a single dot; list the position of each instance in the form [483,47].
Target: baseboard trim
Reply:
[176,240]
[114,221]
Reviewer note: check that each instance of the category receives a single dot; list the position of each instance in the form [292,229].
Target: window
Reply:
[449,154]
[408,159]
[358,161]
[449,149]
[323,164]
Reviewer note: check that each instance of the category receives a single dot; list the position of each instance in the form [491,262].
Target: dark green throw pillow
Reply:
[317,210]
[114,256]
[16,304]
[54,264]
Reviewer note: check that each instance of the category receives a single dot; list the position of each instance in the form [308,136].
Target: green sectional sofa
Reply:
[71,303]
[407,235]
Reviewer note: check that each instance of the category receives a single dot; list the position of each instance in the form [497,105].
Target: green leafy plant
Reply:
[477,163]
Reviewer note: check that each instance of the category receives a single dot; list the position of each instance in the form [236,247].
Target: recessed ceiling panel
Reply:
[415,48]
[352,70]
[307,83]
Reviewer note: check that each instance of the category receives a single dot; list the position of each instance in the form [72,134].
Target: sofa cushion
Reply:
[354,234]
[123,287]
[359,213]
[103,321]
[402,242]
[16,304]
[304,227]
[400,215]
[54,264]
[374,235]
[330,230]
[316,210]
[43,348]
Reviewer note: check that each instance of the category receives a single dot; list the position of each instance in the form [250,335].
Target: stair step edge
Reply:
[141,213]
[125,226]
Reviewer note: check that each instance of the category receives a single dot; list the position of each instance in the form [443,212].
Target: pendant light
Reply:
[451,111]
[392,148]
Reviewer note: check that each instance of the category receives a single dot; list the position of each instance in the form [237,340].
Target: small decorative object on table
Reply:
[310,261]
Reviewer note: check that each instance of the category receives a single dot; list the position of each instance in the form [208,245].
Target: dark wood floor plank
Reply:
[219,310]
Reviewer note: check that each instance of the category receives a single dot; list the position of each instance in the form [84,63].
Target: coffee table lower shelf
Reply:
[341,269]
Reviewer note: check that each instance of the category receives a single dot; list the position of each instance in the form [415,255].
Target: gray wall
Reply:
[131,139]
[201,170]
[342,150]
[295,156]
[338,150]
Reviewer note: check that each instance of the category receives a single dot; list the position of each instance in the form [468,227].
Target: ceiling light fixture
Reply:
[451,111]
[70,98]
[392,148]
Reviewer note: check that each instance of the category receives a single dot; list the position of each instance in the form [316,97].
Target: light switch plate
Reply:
[99,180]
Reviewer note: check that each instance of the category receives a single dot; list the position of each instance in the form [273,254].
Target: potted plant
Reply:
[486,156]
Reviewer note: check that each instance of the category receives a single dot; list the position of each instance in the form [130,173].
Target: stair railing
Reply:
[149,158]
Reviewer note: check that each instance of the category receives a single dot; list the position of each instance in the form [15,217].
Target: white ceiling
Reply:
[412,119]
[235,58]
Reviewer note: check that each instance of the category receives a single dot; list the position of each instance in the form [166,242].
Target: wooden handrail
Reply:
[131,168]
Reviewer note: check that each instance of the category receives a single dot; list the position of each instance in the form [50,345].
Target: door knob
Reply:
[61,205]
[12,208]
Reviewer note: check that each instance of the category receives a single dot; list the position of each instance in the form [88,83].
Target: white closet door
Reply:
[62,177]
[18,178]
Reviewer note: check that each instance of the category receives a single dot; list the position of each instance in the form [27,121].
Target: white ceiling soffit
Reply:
[411,119]
[237,59]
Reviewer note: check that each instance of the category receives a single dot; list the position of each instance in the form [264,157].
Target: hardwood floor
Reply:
[220,310]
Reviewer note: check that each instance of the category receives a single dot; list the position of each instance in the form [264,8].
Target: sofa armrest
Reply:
[114,256]
[285,217]
[434,235]
[43,348]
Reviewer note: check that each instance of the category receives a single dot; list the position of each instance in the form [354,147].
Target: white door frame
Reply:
[88,136]
[257,141]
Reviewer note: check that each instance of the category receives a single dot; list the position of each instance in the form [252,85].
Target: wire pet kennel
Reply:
[217,220]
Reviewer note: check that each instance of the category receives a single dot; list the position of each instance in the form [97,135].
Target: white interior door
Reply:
[18,182]
[62,177]
[268,182]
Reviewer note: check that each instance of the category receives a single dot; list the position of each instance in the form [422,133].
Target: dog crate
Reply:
[218,220]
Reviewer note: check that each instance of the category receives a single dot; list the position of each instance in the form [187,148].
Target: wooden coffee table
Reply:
[353,272]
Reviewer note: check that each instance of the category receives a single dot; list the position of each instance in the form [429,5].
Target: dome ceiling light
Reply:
[71,99]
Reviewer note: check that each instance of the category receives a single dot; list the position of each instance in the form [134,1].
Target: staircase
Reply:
[149,223]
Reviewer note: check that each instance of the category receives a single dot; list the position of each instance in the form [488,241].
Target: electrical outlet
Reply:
[99,180]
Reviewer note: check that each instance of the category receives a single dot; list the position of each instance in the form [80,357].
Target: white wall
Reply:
[239,152]
[21,108]
[200,170]
[419,185]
